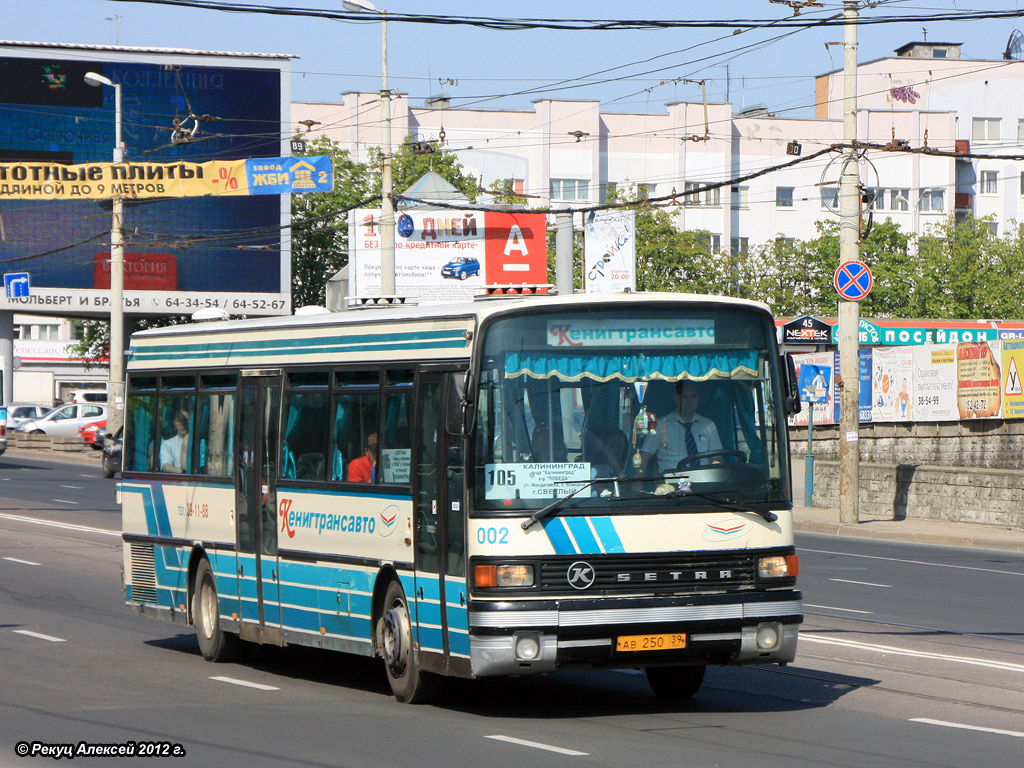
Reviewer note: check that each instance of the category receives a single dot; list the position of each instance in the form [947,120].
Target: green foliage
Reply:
[407,168]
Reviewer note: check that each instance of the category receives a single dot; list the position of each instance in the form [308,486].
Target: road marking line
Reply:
[245,683]
[73,487]
[67,526]
[947,724]
[863,583]
[832,608]
[64,501]
[536,745]
[23,562]
[1004,665]
[50,638]
[913,562]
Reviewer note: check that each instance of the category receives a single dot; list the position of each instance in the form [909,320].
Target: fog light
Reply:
[527,646]
[768,637]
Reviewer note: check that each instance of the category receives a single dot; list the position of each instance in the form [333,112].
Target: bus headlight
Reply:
[491,576]
[778,567]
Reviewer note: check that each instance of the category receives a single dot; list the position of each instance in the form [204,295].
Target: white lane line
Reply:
[833,608]
[892,650]
[913,562]
[39,636]
[863,583]
[73,487]
[536,745]
[52,524]
[17,560]
[929,721]
[64,501]
[245,683]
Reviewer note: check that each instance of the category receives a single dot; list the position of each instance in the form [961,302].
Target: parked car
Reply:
[86,396]
[91,431]
[65,421]
[461,267]
[18,413]
[112,455]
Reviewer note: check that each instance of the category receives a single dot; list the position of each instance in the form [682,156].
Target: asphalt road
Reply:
[910,656]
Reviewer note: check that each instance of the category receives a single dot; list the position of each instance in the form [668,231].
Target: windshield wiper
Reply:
[733,506]
[555,505]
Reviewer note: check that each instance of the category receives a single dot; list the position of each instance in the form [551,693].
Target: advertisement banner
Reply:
[609,251]
[815,374]
[444,255]
[892,381]
[864,398]
[978,380]
[1013,364]
[935,383]
[105,181]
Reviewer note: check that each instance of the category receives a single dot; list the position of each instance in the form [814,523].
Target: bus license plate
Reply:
[629,643]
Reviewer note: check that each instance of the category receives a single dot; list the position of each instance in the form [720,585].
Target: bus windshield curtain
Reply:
[698,366]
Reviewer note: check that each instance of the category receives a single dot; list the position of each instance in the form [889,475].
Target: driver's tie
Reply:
[691,444]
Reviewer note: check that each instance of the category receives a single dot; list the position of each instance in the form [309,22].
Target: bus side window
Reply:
[214,431]
[356,417]
[139,437]
[305,436]
[176,433]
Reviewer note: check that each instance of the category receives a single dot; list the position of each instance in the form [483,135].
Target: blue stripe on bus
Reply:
[554,527]
[605,529]
[586,543]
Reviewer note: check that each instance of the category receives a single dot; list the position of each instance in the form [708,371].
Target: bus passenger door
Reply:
[256,502]
[442,622]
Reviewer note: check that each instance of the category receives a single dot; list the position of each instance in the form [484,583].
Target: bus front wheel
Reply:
[409,683]
[675,682]
[214,643]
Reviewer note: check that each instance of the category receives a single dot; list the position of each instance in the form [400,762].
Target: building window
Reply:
[711,241]
[738,246]
[985,129]
[516,186]
[709,197]
[933,200]
[739,197]
[644,191]
[785,242]
[993,227]
[569,189]
[830,197]
[784,197]
[990,182]
[886,199]
[1020,131]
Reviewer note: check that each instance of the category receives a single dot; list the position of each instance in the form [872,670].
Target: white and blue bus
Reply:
[469,490]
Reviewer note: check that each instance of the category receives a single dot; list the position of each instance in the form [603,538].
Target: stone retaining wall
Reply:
[46,443]
[968,471]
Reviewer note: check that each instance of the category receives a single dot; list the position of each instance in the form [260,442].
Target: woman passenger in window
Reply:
[174,451]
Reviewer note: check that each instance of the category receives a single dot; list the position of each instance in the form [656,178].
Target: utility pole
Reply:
[563,253]
[849,311]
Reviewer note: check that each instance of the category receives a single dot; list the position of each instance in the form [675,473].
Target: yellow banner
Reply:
[105,181]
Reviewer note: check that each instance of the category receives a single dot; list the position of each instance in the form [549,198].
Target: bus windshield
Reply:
[672,408]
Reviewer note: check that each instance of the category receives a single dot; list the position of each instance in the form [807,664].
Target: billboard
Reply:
[609,251]
[178,108]
[444,255]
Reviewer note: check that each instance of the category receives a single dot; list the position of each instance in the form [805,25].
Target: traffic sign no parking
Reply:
[853,280]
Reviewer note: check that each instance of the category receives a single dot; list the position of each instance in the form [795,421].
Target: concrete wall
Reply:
[959,471]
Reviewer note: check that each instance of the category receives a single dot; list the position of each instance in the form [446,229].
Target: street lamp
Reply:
[387,206]
[115,385]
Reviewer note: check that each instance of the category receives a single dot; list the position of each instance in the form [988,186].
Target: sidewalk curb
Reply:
[873,529]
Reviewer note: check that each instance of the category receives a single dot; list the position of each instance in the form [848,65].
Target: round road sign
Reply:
[853,280]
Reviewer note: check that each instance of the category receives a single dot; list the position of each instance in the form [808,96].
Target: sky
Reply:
[626,70]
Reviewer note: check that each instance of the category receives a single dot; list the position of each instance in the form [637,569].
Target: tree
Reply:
[409,165]
[320,225]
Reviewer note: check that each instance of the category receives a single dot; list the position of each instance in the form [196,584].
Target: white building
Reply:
[570,153]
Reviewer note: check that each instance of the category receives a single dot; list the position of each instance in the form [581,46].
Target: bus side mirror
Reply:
[791,389]
[458,410]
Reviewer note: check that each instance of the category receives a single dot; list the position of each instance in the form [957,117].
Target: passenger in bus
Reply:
[174,451]
[548,446]
[679,434]
[364,468]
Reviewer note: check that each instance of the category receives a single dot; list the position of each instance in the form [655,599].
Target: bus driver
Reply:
[682,433]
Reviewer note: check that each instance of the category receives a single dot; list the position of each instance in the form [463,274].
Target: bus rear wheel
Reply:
[409,683]
[675,682]
[214,643]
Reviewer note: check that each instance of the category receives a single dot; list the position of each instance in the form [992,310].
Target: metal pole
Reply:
[115,384]
[849,311]
[387,207]
[563,254]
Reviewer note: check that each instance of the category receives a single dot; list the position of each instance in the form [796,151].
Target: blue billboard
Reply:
[181,254]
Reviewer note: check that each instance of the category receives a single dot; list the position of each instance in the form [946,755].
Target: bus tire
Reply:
[215,644]
[409,683]
[675,682]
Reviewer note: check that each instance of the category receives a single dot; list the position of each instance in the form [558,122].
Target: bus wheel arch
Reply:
[215,644]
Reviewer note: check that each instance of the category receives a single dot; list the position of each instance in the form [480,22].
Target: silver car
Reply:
[65,421]
[18,413]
